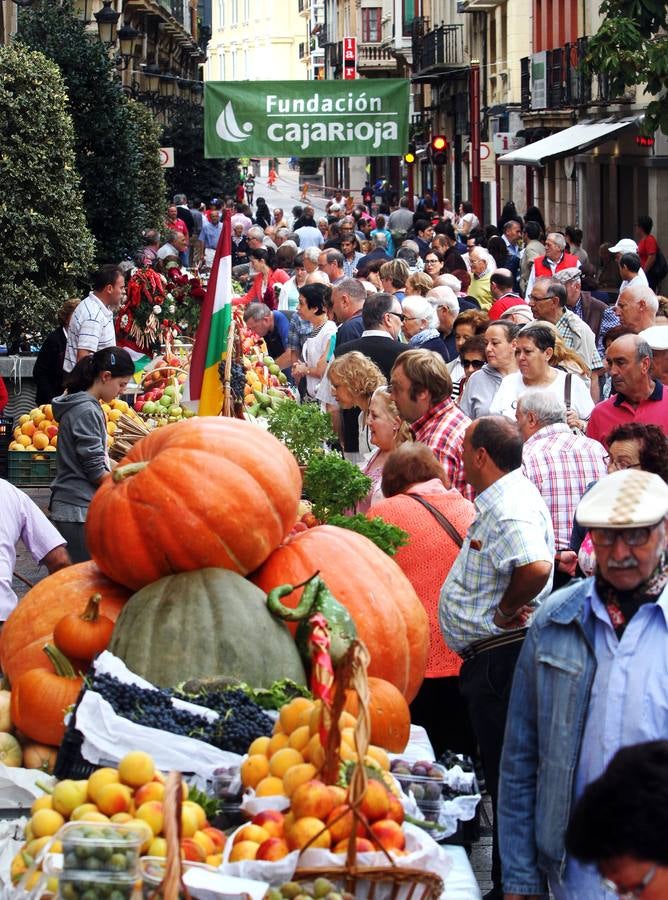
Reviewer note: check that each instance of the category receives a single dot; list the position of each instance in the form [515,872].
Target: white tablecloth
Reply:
[460,883]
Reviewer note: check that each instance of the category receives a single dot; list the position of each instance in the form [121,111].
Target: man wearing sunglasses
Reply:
[592,677]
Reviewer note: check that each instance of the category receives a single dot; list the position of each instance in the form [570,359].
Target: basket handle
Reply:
[172,883]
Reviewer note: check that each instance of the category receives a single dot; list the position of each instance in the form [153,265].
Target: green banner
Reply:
[365,117]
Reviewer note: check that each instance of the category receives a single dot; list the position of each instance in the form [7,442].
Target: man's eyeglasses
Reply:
[620,463]
[473,363]
[633,893]
[633,537]
[399,316]
[539,299]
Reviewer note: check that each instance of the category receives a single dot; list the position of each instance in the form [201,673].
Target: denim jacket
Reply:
[544,729]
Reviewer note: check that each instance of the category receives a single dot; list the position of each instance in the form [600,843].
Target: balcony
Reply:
[374,58]
[439,50]
[554,79]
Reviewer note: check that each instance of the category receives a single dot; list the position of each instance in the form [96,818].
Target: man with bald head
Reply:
[637,307]
[638,398]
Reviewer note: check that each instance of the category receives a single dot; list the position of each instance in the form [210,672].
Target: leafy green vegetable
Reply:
[333,484]
[280,693]
[210,805]
[388,537]
[303,427]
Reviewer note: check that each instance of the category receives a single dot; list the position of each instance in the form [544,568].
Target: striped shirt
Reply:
[561,465]
[91,328]
[442,430]
[512,528]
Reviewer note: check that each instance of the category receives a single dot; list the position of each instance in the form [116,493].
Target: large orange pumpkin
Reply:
[387,612]
[30,626]
[207,492]
[389,713]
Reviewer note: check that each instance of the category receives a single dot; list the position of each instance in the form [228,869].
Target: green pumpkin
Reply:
[203,624]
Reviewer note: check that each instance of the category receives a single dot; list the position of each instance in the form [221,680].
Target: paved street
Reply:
[286,192]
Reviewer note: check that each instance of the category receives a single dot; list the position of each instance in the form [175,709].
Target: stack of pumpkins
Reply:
[188,535]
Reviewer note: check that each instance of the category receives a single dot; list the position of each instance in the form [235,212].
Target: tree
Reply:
[151,187]
[631,48]
[193,175]
[110,155]
[47,249]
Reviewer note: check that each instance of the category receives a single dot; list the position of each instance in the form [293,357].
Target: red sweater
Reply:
[278,276]
[4,396]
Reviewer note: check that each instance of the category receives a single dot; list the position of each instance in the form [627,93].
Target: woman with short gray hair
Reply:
[419,326]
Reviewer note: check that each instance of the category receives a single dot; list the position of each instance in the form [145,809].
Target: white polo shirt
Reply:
[91,328]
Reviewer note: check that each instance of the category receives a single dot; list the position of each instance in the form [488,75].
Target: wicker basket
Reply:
[390,881]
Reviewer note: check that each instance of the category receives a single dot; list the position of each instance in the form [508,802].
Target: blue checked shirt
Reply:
[298,330]
[512,528]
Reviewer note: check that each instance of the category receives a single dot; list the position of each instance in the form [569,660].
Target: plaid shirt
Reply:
[298,330]
[577,335]
[442,430]
[561,465]
[512,528]
[609,320]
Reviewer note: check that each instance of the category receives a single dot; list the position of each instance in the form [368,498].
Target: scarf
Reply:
[623,605]
[422,337]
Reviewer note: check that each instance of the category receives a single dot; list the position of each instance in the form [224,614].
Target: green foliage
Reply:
[151,186]
[333,485]
[110,153]
[47,249]
[310,165]
[388,537]
[193,175]
[303,427]
[631,48]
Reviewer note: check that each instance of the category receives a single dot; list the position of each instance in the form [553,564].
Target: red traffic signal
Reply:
[439,150]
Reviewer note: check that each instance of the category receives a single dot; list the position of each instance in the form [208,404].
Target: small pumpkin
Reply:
[30,625]
[389,713]
[10,751]
[5,713]
[83,636]
[39,756]
[40,698]
[208,623]
[388,614]
[213,492]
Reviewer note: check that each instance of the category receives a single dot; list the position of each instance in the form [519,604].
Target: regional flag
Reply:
[203,390]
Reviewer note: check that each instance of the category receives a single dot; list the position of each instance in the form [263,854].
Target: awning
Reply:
[568,142]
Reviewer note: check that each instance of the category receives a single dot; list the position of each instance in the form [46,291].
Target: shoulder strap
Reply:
[568,387]
[442,519]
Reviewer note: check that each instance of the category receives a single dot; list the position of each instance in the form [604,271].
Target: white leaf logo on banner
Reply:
[227,128]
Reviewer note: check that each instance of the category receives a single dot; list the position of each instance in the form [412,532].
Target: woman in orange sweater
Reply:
[412,471]
[263,263]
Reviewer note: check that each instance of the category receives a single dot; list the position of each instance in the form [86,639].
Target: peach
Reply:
[259,746]
[297,775]
[189,822]
[396,810]
[143,830]
[289,714]
[151,791]
[158,847]
[243,850]
[28,428]
[93,817]
[151,812]
[215,860]
[46,822]
[270,787]
[277,742]
[40,440]
[114,798]
[340,823]
[308,830]
[362,845]
[300,738]
[82,810]
[284,759]
[192,851]
[312,799]
[198,811]
[271,820]
[99,779]
[375,802]
[67,795]
[43,802]
[253,769]
[136,768]
[218,837]
[340,794]
[205,843]
[389,834]
[272,849]
[121,818]
[314,752]
[251,832]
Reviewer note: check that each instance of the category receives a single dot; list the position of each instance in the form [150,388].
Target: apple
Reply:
[149,407]
[165,400]
[175,411]
[271,820]
[170,390]
[272,849]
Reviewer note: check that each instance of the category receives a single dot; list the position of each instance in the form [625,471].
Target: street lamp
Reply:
[129,39]
[152,77]
[107,21]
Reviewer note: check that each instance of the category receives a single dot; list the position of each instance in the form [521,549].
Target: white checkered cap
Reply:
[630,498]
[656,336]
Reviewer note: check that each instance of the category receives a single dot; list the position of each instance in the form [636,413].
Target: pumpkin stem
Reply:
[61,663]
[92,611]
[126,471]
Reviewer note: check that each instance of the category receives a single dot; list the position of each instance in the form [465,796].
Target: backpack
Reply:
[658,271]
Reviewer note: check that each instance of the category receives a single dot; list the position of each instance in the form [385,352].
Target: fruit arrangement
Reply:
[38,430]
[320,888]
[424,779]
[130,796]
[263,378]
[278,765]
[161,398]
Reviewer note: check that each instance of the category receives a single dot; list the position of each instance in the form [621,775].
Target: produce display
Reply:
[240,720]
[40,697]
[160,399]
[38,430]
[320,888]
[99,848]
[222,626]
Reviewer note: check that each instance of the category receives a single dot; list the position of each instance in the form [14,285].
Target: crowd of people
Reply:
[505,392]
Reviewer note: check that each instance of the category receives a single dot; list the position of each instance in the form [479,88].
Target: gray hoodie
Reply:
[82,448]
[479,392]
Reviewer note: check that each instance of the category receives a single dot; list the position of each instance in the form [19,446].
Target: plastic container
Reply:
[105,849]
[229,815]
[96,886]
[227,786]
[152,871]
[31,469]
[424,788]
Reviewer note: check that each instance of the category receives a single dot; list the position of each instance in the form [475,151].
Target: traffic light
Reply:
[439,150]
[409,157]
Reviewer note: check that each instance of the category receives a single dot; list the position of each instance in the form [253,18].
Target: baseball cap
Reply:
[656,337]
[626,245]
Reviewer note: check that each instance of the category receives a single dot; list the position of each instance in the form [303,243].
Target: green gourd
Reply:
[316,598]
[204,624]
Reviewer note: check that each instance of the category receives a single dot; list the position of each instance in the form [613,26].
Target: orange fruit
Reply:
[283,760]
[270,787]
[253,769]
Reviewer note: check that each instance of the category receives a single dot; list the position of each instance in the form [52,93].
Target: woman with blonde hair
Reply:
[419,284]
[353,378]
[387,431]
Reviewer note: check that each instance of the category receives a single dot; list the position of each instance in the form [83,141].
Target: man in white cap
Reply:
[592,676]
[637,307]
[657,338]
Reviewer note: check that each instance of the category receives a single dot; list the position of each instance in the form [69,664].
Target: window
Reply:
[246,12]
[371,25]
[221,13]
[222,67]
[235,12]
